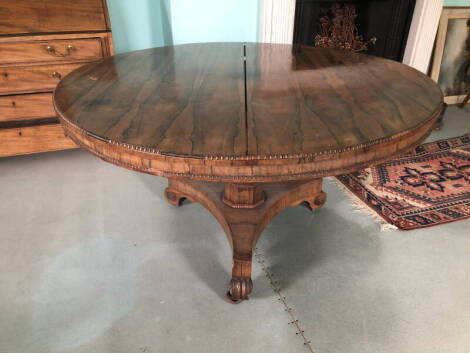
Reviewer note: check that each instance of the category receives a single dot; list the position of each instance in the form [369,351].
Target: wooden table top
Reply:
[200,101]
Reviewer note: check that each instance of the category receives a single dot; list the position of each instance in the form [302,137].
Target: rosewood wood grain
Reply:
[323,99]
[179,110]
[246,130]
[187,99]
[251,169]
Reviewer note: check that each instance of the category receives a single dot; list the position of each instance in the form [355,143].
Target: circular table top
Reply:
[270,103]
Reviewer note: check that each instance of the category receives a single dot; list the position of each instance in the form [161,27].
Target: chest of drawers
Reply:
[40,42]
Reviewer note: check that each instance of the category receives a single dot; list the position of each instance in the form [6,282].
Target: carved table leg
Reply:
[244,210]
[172,195]
[244,230]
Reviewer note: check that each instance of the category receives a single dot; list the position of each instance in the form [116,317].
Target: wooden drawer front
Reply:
[33,139]
[32,78]
[51,51]
[25,107]
[46,16]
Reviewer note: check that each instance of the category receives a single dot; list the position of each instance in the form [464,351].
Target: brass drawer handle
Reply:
[53,51]
[57,75]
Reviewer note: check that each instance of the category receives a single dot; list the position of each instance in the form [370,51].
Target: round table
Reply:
[246,129]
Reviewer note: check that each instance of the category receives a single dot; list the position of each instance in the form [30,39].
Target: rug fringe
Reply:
[360,206]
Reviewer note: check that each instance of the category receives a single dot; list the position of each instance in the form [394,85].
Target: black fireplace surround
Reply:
[387,20]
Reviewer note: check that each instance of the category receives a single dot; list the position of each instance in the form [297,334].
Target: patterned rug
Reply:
[426,187]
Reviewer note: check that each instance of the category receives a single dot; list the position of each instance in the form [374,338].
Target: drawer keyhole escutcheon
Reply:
[53,51]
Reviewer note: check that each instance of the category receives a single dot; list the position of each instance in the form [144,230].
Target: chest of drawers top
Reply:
[19,17]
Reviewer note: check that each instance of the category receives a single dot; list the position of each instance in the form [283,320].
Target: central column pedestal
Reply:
[243,195]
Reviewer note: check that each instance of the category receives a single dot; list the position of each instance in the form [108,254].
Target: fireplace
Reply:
[387,20]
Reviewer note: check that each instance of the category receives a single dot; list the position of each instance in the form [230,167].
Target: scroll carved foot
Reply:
[239,289]
[317,202]
[174,197]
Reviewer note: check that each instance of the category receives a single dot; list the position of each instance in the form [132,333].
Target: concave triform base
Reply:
[244,210]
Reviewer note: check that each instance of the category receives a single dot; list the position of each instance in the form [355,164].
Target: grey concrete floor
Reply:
[93,259]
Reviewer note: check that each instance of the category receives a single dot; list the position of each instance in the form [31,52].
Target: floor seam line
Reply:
[283,300]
